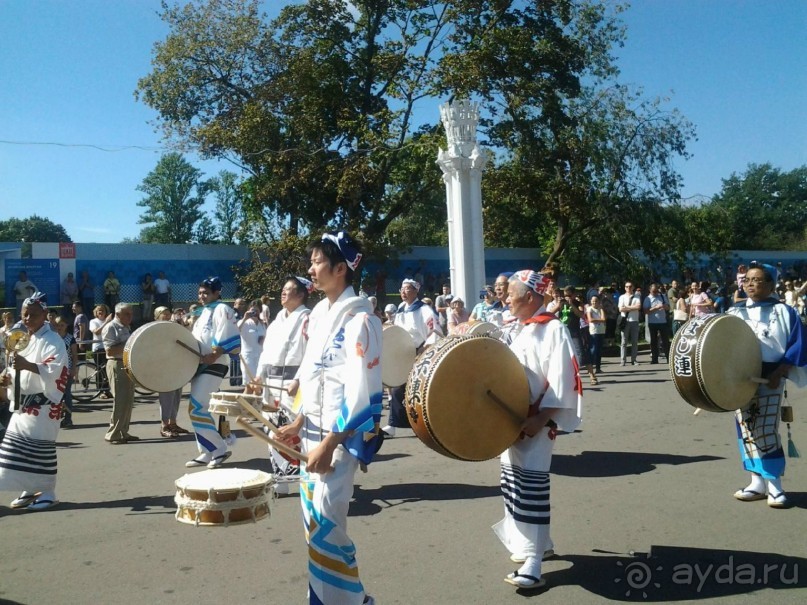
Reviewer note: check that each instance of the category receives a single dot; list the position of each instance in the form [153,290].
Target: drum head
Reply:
[712,359]
[729,354]
[397,355]
[462,417]
[223,480]
[155,360]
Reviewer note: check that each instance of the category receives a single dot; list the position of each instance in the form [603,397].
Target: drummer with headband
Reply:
[544,348]
[283,350]
[340,388]
[28,449]
[217,332]
[423,325]
[783,339]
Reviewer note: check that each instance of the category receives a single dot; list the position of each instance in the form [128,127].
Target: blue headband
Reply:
[306,283]
[769,269]
[346,248]
[212,283]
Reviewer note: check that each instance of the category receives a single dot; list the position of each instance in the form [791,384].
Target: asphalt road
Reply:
[642,510]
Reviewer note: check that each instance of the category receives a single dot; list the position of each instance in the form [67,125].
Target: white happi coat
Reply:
[28,450]
[340,387]
[420,321]
[547,354]
[283,346]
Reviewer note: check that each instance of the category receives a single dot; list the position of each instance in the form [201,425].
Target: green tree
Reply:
[175,193]
[228,214]
[32,229]
[765,208]
[320,107]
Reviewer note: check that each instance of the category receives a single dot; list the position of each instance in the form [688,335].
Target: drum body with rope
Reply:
[223,496]
[713,360]
[467,397]
[154,360]
[397,355]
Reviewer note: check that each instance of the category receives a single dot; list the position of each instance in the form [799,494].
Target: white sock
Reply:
[757,484]
[531,567]
[775,486]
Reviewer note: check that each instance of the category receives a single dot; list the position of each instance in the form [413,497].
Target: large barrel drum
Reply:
[713,360]
[467,397]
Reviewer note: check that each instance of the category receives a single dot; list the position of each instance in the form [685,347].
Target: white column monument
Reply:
[462,165]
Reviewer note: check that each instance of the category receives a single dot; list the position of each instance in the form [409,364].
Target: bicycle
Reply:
[86,385]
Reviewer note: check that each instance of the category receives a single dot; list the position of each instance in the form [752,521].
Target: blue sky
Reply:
[68,69]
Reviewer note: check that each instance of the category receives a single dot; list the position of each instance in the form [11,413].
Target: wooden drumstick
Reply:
[258,416]
[191,349]
[758,380]
[243,422]
[516,418]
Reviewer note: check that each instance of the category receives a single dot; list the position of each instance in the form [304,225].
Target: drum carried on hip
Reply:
[223,497]
[154,359]
[715,362]
[397,355]
[467,397]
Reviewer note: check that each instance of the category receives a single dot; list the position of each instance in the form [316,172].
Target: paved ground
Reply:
[642,477]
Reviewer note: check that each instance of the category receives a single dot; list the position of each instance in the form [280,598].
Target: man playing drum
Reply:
[340,388]
[544,348]
[283,350]
[423,326]
[28,449]
[783,339]
[217,331]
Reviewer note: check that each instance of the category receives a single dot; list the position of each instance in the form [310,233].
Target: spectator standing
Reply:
[72,369]
[162,291]
[656,307]
[86,291]
[147,290]
[81,326]
[98,353]
[442,304]
[236,379]
[629,306]
[111,290]
[457,315]
[699,302]
[23,288]
[252,333]
[596,330]
[69,295]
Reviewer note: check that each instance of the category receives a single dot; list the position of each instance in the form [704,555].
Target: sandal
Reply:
[178,429]
[25,500]
[168,433]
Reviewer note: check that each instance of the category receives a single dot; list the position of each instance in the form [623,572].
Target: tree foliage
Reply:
[228,214]
[32,229]
[175,193]
[764,208]
[326,108]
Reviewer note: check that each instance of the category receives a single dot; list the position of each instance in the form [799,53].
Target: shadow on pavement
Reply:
[369,501]
[678,573]
[616,464]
